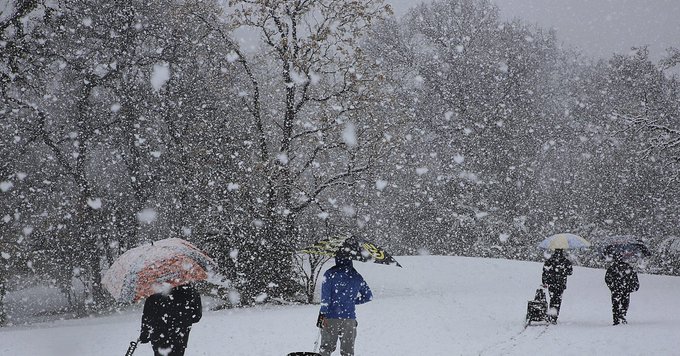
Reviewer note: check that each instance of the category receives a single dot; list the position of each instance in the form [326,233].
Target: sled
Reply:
[537,309]
[316,347]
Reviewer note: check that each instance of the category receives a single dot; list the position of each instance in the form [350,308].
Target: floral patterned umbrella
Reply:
[149,269]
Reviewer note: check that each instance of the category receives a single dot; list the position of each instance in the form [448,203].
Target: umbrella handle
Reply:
[132,348]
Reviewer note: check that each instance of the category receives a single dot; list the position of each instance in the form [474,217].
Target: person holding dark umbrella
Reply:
[622,280]
[167,320]
[555,272]
[341,290]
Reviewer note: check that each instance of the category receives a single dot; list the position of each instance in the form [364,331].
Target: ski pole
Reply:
[546,291]
[316,343]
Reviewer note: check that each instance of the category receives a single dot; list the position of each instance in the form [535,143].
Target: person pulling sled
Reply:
[555,272]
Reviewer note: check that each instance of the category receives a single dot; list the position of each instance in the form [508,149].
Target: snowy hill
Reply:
[434,306]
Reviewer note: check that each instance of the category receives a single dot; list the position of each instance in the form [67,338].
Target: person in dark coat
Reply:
[555,272]
[622,280]
[167,320]
[341,290]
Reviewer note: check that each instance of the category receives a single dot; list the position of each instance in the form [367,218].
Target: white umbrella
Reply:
[564,241]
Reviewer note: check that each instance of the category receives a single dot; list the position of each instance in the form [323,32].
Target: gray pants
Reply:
[345,329]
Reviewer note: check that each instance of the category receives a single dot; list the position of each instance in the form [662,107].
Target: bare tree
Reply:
[305,86]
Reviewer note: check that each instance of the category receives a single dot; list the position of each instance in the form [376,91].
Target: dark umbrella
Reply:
[626,246]
[353,248]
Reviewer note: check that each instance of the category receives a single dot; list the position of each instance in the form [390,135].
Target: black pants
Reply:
[555,303]
[172,345]
[620,302]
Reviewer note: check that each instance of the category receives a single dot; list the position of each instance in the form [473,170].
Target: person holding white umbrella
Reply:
[555,272]
[557,268]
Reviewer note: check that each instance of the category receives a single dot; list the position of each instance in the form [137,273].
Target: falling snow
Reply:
[349,135]
[6,186]
[94,203]
[446,130]
[147,215]
[422,170]
[160,75]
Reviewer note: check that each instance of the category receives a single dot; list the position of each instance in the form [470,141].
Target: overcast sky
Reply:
[598,27]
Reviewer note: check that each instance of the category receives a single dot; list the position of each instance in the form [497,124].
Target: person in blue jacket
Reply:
[341,290]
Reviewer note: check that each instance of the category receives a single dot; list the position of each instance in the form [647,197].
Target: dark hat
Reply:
[347,252]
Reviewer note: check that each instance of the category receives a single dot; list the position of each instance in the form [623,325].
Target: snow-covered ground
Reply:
[433,306]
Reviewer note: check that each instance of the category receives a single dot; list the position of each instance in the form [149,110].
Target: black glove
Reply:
[143,338]
[320,321]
